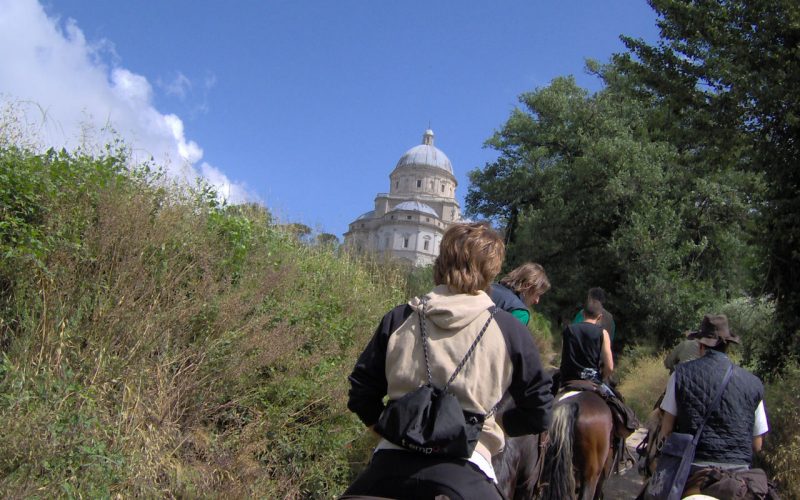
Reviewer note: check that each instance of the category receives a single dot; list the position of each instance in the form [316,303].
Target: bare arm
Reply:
[667,425]
[758,441]
[608,360]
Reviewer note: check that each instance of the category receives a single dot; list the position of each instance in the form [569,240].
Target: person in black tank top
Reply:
[586,356]
[586,348]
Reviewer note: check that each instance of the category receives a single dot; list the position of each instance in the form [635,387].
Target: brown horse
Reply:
[580,456]
[518,467]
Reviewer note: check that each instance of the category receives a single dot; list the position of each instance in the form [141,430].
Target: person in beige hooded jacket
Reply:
[505,360]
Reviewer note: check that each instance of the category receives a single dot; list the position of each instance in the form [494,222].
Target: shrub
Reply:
[164,345]
[643,379]
[754,321]
[781,454]
[419,281]
[542,330]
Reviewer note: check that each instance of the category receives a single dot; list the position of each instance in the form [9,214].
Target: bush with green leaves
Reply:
[164,344]
[782,445]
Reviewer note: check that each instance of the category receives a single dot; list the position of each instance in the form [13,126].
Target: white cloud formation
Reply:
[72,86]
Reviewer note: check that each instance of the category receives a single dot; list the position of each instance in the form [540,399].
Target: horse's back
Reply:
[583,423]
[594,411]
[517,466]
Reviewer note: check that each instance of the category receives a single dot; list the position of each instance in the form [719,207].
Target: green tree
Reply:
[586,188]
[724,78]
[298,230]
[327,239]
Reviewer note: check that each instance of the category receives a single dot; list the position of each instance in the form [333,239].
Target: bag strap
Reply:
[714,404]
[492,310]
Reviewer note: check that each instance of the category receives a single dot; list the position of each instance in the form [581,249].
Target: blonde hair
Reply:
[470,257]
[528,276]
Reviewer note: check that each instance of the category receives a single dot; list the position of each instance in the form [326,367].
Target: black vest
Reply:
[728,434]
[581,348]
[506,299]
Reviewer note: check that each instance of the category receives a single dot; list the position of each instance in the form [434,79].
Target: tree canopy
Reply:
[585,187]
[675,187]
[729,72]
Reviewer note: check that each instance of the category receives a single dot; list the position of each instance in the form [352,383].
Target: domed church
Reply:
[408,222]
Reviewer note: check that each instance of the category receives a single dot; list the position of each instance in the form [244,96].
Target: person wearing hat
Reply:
[735,428]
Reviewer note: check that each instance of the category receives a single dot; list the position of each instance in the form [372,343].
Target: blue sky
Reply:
[303,106]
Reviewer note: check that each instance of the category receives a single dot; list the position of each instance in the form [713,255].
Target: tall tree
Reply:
[588,188]
[725,75]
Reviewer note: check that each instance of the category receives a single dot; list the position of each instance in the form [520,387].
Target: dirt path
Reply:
[628,484]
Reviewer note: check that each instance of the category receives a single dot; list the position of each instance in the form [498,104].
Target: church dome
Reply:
[426,154]
[415,206]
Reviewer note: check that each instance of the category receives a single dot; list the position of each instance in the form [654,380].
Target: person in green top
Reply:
[606,319]
[687,350]
[520,289]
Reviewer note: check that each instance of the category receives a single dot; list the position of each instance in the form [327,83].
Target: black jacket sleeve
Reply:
[368,383]
[530,384]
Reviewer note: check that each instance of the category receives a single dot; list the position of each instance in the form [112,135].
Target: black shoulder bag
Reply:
[430,419]
[672,467]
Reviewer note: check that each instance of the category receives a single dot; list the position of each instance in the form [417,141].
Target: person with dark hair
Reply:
[428,339]
[520,290]
[586,348]
[606,318]
[587,365]
[735,428]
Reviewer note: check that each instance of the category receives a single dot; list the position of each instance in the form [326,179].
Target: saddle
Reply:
[750,484]
[625,421]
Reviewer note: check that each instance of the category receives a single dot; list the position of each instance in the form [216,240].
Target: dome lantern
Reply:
[425,155]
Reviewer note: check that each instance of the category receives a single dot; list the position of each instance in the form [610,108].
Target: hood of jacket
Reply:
[449,310]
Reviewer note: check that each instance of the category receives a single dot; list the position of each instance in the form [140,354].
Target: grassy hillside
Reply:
[154,343]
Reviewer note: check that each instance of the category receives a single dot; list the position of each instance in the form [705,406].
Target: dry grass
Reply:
[643,381]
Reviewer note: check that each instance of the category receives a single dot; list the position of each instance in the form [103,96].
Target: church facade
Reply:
[408,222]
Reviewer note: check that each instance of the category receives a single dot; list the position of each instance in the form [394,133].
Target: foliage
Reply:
[327,239]
[419,281]
[585,189]
[165,345]
[754,321]
[782,446]
[34,188]
[298,230]
[643,379]
[723,82]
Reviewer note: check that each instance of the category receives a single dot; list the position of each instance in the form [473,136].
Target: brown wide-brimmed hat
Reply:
[713,330]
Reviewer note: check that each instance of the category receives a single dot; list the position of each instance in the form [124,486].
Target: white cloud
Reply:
[210,81]
[179,86]
[72,86]
[232,193]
